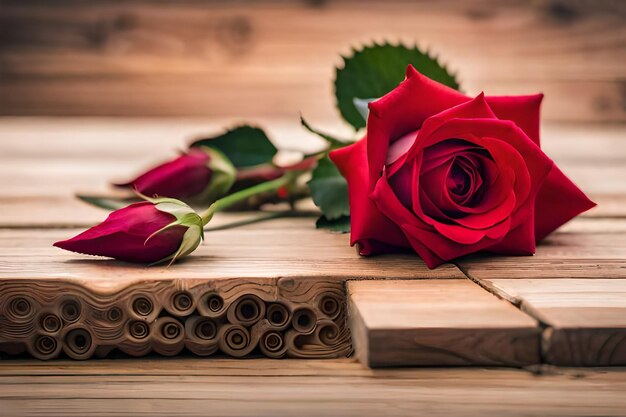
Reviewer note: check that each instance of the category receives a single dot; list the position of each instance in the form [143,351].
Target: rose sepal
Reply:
[186,217]
[223,175]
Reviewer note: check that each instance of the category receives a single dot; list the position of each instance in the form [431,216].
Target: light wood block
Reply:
[340,387]
[586,318]
[444,322]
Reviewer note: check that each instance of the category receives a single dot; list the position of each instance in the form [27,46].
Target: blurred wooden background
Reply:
[259,58]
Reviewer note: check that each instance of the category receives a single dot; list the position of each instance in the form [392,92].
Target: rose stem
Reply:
[257,219]
[229,200]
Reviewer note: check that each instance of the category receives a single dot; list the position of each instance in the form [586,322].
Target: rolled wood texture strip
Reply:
[165,316]
[443,322]
[88,58]
[585,318]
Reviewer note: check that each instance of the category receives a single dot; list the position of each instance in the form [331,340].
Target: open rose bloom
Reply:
[447,175]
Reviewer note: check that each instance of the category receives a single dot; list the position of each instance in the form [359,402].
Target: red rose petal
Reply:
[524,111]
[401,111]
[558,201]
[366,221]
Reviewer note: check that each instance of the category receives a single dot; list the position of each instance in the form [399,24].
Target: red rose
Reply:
[448,175]
[201,174]
[146,232]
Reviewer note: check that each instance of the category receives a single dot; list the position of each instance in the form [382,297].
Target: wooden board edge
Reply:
[584,347]
[358,330]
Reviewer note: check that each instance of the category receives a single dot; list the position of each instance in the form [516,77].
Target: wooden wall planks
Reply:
[254,59]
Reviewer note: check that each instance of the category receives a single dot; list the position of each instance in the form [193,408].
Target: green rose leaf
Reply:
[329,190]
[245,146]
[376,70]
[340,225]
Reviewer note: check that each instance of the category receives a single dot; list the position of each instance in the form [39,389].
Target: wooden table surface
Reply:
[565,306]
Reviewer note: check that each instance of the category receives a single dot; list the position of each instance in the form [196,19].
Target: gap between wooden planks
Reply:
[575,286]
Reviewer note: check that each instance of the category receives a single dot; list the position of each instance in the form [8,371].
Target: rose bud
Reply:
[151,231]
[201,175]
[446,176]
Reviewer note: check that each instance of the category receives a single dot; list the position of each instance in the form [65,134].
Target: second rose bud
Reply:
[200,175]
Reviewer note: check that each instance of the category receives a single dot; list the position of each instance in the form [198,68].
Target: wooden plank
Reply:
[224,296]
[303,387]
[585,308]
[44,161]
[64,210]
[438,323]
[137,58]
[591,250]
[586,318]
[609,206]
[254,251]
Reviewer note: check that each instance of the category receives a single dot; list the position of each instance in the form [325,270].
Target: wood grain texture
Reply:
[586,318]
[282,248]
[275,58]
[175,386]
[591,250]
[438,323]
[575,286]
[44,161]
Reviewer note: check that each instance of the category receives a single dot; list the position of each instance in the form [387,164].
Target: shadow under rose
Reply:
[115,264]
